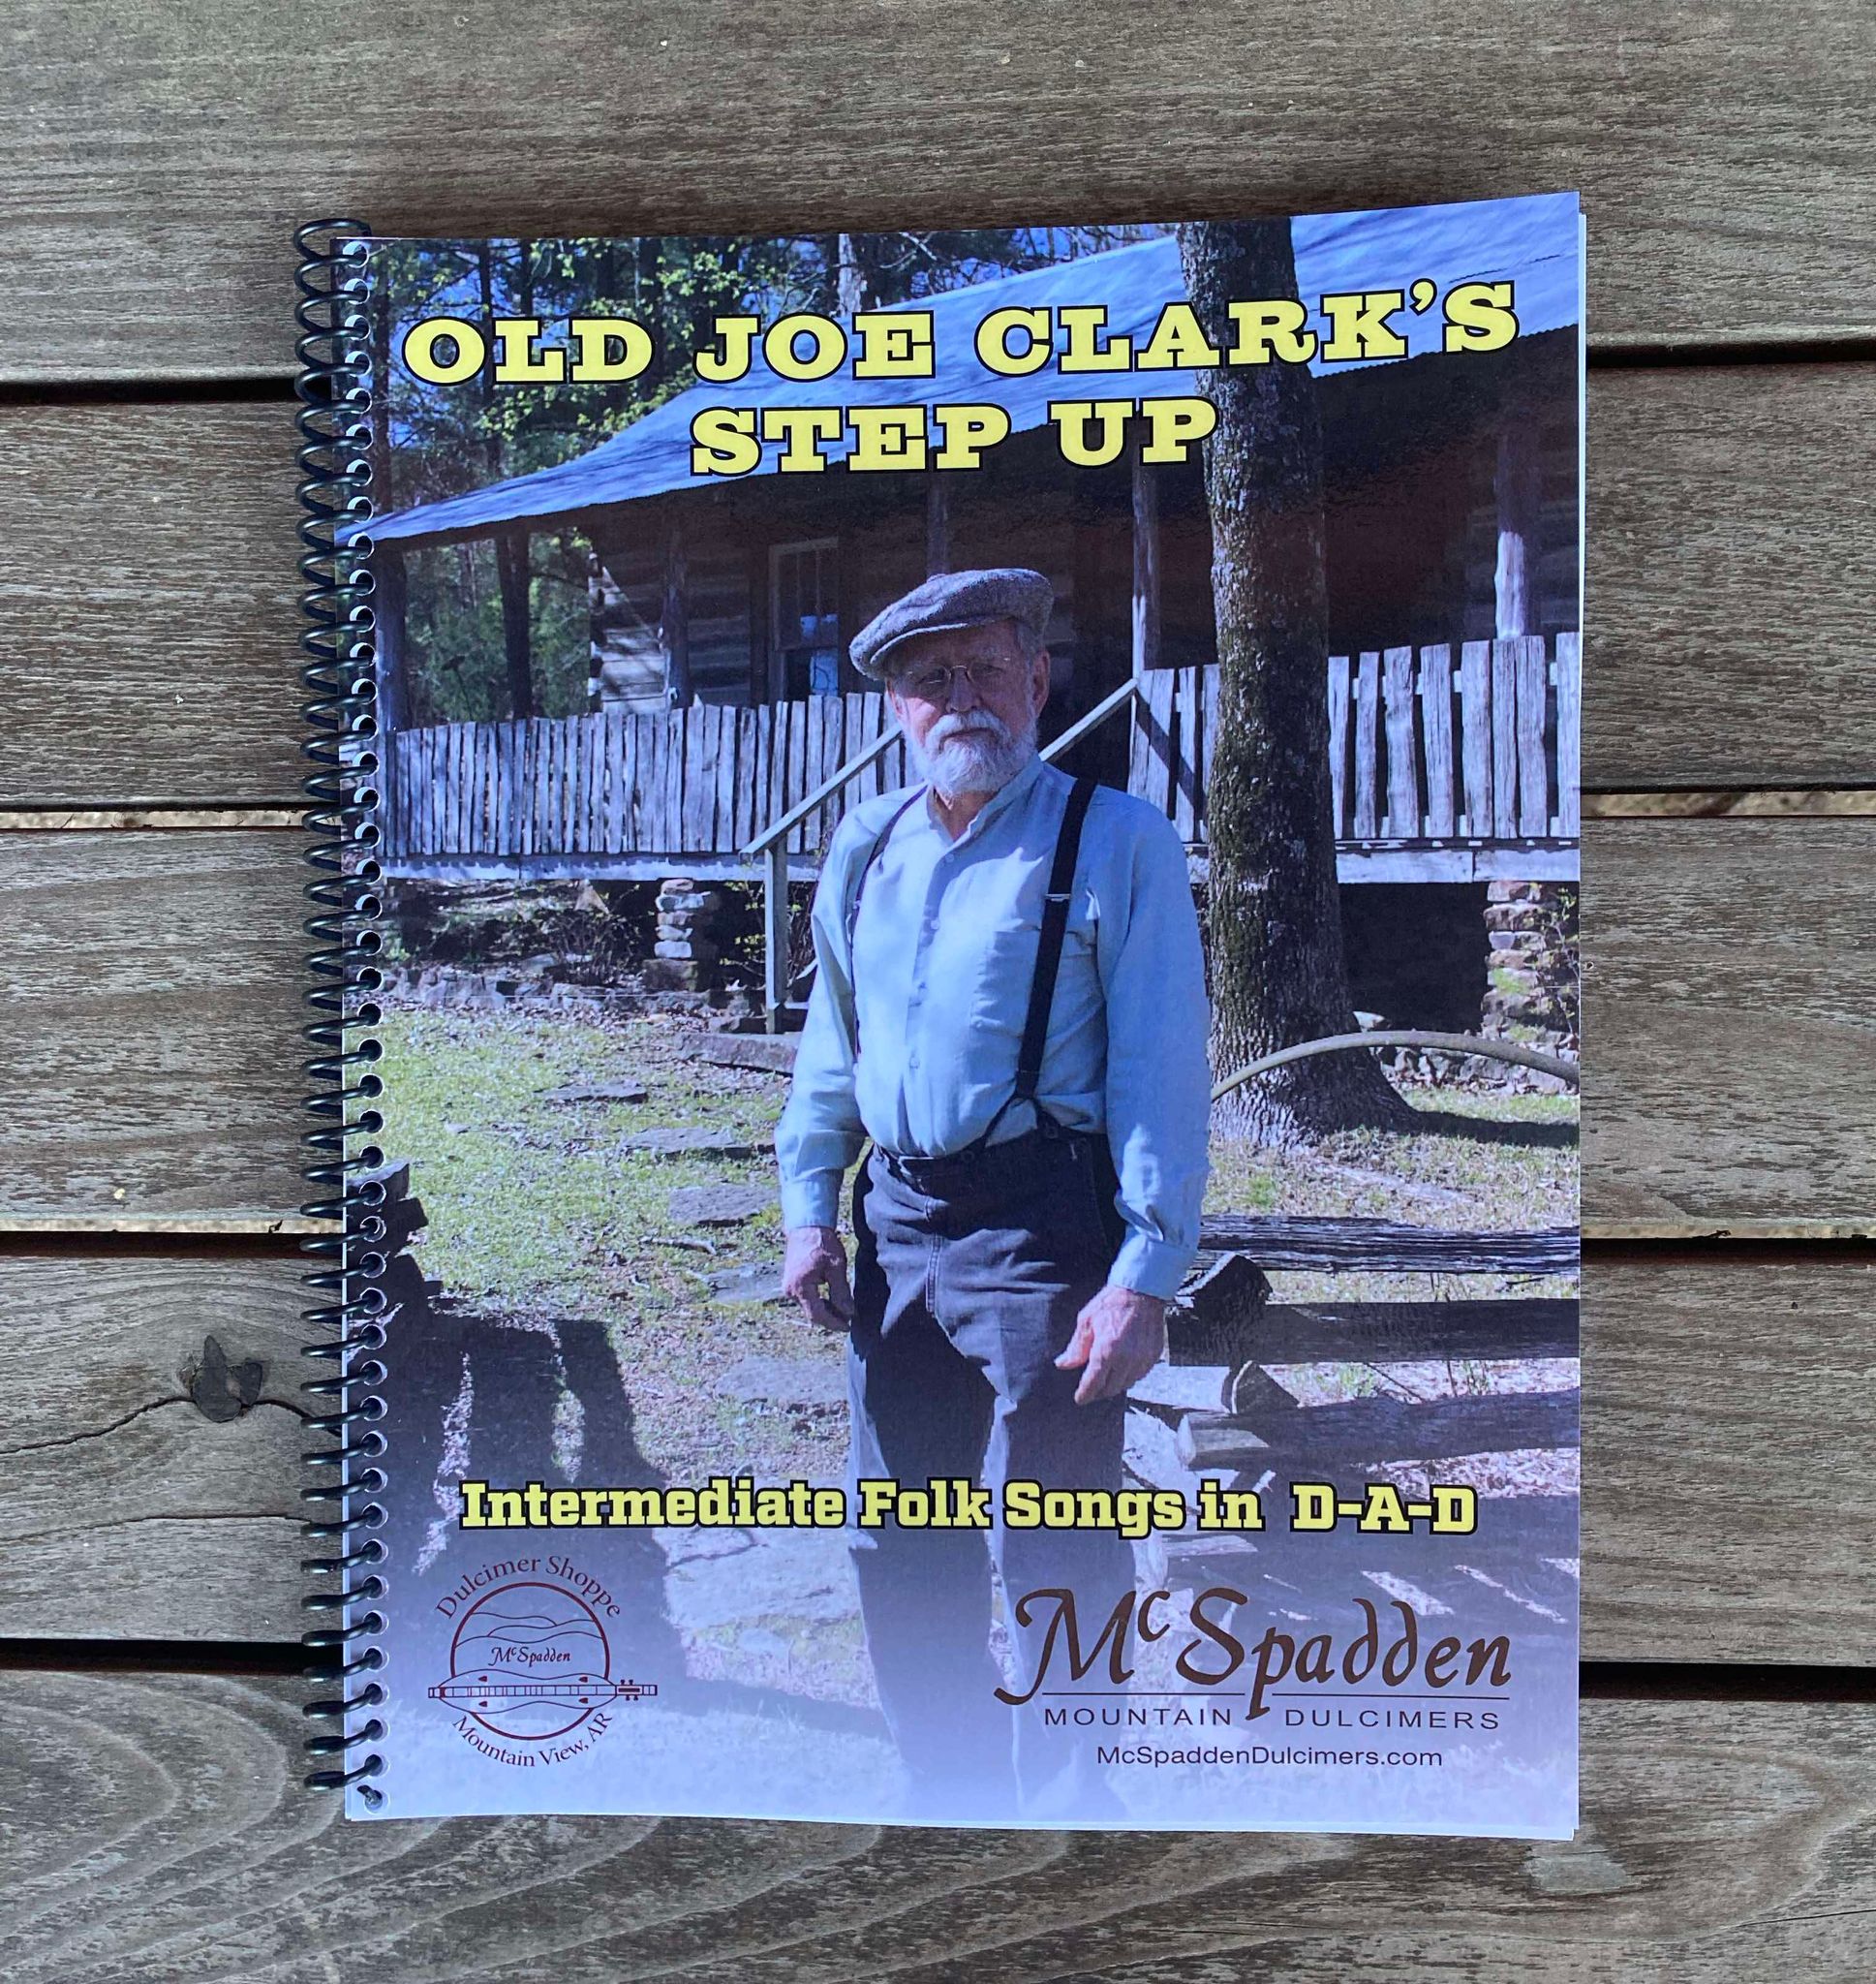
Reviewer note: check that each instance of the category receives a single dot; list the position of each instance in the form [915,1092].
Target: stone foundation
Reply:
[1531,990]
[689,929]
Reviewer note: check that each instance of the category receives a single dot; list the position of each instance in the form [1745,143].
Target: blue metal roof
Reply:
[1534,241]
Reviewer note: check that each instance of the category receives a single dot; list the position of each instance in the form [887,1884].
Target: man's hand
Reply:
[1120,1337]
[814,1271]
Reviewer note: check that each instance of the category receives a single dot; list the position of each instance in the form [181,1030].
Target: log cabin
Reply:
[721,702]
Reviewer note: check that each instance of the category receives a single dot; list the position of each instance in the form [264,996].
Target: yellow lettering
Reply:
[1084,323]
[1177,342]
[886,438]
[420,344]
[1479,317]
[827,341]
[895,344]
[1174,425]
[1091,431]
[1271,327]
[802,429]
[993,335]
[1359,327]
[969,430]
[732,360]
[609,347]
[724,442]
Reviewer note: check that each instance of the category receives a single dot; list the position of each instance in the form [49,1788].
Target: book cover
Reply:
[969,1212]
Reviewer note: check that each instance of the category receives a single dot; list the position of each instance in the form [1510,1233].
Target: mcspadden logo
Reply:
[529,1663]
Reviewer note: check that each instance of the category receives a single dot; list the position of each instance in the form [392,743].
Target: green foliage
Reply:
[432,442]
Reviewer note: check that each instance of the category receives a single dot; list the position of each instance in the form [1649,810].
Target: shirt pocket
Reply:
[1007,959]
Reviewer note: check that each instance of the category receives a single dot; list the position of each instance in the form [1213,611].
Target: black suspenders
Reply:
[1048,955]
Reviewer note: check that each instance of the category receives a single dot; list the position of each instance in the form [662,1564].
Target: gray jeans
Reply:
[969,1274]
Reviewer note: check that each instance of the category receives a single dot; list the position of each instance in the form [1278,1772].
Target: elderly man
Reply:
[1010,1003]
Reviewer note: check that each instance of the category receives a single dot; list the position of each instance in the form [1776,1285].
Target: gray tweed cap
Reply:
[951,600]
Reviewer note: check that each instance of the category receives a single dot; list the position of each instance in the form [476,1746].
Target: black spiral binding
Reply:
[335,387]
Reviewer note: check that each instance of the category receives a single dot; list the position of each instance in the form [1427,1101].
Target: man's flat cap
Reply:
[952,600]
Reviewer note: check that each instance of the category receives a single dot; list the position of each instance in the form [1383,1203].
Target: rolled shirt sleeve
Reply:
[1158,1074]
[820,1133]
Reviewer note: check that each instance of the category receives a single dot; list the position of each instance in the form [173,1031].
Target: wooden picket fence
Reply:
[1421,751]
[702,780]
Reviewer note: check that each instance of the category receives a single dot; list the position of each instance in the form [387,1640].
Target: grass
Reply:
[535,1211]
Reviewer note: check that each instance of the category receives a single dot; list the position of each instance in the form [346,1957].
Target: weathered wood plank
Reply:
[1403,771]
[154,983]
[1187,692]
[1504,738]
[152,986]
[1155,714]
[1338,743]
[1569,732]
[1721,1840]
[1399,1332]
[1533,773]
[1437,726]
[1276,1241]
[1475,736]
[1367,769]
[1379,1429]
[119,129]
[121,1449]
[1687,1556]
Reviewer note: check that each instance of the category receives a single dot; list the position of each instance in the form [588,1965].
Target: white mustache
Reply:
[963,723]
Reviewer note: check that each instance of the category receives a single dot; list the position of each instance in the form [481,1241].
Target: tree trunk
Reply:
[1274,917]
[512,567]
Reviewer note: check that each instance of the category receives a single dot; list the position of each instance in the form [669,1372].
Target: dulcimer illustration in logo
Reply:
[531,1660]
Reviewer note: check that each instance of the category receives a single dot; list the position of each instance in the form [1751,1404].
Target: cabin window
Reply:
[804,586]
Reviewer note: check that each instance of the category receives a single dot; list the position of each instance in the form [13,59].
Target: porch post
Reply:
[387,613]
[1517,493]
[1146,566]
[775,932]
[677,620]
[511,570]
[937,525]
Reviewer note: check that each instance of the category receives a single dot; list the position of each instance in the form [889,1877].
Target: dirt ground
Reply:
[538,1211]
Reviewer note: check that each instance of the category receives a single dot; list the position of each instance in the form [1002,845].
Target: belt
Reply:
[981,1166]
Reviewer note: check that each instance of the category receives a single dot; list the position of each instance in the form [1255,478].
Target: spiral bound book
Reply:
[946,1021]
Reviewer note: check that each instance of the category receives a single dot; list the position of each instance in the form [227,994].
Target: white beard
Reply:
[971,752]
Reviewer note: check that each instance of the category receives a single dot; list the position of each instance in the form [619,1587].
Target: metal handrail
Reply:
[772,842]
[859,761]
[821,794]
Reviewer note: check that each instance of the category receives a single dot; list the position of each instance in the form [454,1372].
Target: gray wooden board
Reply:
[1721,1841]
[150,606]
[1720,1429]
[1714,210]
[129,1511]
[153,985]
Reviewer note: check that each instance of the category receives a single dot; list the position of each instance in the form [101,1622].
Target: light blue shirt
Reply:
[936,987]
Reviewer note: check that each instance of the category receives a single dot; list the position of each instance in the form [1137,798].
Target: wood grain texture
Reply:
[151,986]
[152,989]
[121,1453]
[1732,634]
[1721,1841]
[1729,1021]
[1708,1383]
[156,160]
[149,602]
[1717,651]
